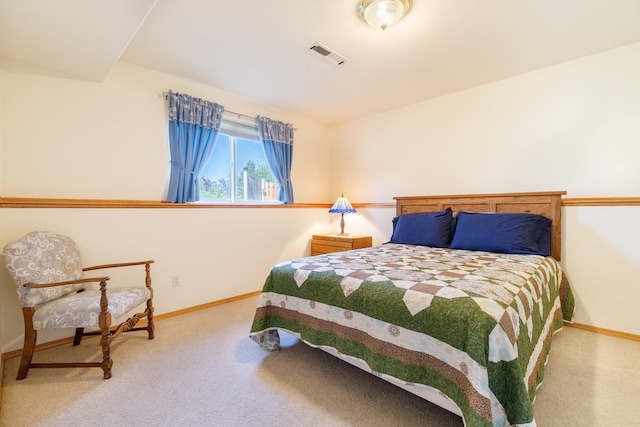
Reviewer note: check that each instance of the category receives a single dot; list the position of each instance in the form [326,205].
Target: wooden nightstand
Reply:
[327,243]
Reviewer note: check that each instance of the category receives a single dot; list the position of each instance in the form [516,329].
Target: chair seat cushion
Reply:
[81,310]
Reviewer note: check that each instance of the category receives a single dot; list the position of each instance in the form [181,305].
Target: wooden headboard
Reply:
[548,204]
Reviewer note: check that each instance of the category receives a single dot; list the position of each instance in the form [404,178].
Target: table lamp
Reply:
[342,206]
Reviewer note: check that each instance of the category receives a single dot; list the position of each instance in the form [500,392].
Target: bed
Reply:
[459,307]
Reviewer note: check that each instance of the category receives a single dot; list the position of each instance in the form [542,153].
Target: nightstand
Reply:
[327,243]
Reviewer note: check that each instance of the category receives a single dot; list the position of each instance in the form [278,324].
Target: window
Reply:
[238,170]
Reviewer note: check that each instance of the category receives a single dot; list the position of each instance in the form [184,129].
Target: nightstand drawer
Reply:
[328,243]
[324,248]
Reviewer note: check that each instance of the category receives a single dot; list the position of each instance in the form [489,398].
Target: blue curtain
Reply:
[193,128]
[277,141]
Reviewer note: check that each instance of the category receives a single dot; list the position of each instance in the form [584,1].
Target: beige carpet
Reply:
[203,370]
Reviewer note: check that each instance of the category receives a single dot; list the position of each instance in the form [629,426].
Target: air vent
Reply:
[328,53]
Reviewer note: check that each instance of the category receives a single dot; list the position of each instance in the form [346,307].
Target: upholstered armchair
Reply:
[54,293]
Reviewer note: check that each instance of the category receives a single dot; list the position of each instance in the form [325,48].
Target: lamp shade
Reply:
[342,206]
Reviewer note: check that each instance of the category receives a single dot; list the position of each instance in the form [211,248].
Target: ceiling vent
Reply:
[328,53]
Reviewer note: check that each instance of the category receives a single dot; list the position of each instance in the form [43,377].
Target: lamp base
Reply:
[342,233]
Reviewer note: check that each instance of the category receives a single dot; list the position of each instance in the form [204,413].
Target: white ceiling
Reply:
[260,49]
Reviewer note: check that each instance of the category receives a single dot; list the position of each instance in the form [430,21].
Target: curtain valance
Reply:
[274,130]
[187,109]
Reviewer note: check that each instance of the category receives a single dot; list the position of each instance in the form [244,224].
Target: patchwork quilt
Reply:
[477,326]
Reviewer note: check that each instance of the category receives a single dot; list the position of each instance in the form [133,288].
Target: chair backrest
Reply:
[43,257]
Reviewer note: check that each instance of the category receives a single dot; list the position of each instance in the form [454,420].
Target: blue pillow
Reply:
[423,228]
[510,233]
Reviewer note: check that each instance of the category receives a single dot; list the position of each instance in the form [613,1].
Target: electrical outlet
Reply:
[175,280]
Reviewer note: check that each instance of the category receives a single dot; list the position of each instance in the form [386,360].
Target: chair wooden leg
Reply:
[107,363]
[104,320]
[151,327]
[30,337]
[78,337]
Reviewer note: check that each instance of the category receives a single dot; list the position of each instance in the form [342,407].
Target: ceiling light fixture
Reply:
[383,13]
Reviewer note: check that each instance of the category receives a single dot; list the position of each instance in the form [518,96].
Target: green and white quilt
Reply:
[477,326]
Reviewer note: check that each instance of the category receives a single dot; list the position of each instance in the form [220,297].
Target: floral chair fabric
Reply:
[82,310]
[43,257]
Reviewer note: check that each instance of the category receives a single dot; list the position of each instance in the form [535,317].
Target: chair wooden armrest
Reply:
[122,264]
[67,282]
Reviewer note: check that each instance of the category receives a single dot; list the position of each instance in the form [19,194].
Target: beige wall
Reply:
[573,127]
[218,253]
[111,137]
[602,261]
